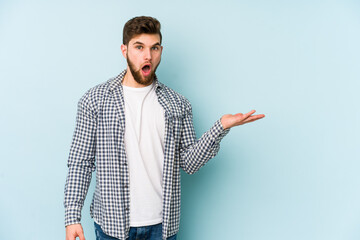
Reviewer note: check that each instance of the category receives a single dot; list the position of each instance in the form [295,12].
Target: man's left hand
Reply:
[229,120]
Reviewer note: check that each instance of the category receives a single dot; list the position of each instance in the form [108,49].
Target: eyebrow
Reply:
[137,42]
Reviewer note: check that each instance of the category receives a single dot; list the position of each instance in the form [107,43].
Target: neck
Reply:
[129,80]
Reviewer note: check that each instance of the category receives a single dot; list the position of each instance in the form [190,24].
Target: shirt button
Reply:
[125,186]
[127,209]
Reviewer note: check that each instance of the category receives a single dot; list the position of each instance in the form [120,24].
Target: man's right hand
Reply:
[73,231]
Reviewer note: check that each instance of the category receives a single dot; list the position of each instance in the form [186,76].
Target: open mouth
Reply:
[146,69]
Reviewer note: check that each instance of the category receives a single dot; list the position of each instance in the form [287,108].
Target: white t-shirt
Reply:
[144,144]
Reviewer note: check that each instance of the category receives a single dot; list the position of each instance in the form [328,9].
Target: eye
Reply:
[139,47]
[155,48]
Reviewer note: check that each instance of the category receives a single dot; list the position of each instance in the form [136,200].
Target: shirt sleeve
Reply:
[81,162]
[194,153]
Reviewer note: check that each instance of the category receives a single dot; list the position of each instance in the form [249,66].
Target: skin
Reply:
[142,49]
[73,231]
[146,49]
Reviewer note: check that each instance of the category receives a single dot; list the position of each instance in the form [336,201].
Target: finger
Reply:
[246,115]
[250,121]
[70,236]
[74,236]
[254,118]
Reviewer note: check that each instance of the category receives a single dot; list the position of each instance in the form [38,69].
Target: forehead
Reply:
[145,38]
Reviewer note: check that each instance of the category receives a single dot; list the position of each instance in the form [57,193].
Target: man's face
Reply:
[143,55]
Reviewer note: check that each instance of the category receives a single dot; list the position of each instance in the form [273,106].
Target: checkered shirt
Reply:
[99,136]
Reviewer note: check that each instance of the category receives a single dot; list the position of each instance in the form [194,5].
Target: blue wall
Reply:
[293,175]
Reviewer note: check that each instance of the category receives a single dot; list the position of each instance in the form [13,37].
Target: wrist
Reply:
[223,124]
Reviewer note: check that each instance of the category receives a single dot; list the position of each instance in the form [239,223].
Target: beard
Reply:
[138,77]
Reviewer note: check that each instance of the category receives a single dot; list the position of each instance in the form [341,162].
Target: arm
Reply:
[81,163]
[195,153]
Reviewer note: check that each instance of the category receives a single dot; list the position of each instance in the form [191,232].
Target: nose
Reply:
[147,54]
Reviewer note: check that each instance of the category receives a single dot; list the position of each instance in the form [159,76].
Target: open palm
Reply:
[230,120]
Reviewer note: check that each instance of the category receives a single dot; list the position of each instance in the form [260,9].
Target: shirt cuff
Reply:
[217,131]
[72,216]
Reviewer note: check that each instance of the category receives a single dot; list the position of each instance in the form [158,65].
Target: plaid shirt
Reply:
[99,135]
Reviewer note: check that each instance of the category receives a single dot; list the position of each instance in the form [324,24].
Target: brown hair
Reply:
[139,25]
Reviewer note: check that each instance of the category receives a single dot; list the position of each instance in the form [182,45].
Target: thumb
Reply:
[81,236]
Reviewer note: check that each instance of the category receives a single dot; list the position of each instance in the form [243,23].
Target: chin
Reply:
[144,80]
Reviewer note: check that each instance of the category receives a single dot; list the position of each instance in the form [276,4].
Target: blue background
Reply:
[293,175]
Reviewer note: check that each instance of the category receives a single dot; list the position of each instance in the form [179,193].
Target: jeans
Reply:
[153,232]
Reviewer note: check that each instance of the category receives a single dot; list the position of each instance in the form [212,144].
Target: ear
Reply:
[124,50]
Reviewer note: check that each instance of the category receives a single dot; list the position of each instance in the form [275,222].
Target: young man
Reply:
[140,133]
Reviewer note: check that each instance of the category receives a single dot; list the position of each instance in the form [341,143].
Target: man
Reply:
[140,133]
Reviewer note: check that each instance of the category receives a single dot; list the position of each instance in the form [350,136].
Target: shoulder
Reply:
[94,98]
[94,95]
[175,99]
